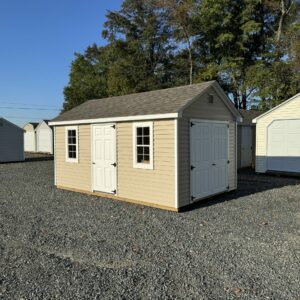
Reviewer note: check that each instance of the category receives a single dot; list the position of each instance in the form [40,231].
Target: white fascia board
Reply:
[116,119]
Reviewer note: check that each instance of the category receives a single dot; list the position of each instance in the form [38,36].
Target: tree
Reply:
[139,34]
[250,46]
[88,78]
[182,19]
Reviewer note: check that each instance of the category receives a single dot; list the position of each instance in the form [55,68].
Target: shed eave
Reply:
[117,119]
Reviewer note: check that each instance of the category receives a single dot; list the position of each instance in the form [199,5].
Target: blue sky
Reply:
[38,41]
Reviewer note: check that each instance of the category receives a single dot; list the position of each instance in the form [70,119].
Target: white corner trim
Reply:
[276,107]
[176,157]
[54,152]
[137,165]
[116,119]
[71,160]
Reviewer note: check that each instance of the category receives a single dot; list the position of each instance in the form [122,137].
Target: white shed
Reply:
[30,137]
[278,138]
[11,142]
[44,137]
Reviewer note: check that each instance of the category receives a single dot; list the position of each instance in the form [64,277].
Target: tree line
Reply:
[252,47]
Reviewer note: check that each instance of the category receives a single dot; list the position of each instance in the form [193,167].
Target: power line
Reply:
[29,104]
[28,108]
[10,117]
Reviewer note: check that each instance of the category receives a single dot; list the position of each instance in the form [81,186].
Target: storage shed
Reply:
[166,148]
[44,137]
[278,138]
[246,138]
[11,142]
[30,137]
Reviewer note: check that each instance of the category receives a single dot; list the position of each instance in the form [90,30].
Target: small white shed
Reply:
[30,137]
[11,142]
[44,137]
[278,138]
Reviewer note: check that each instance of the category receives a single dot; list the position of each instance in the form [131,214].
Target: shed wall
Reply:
[44,138]
[202,109]
[11,142]
[157,185]
[73,175]
[29,138]
[153,186]
[288,111]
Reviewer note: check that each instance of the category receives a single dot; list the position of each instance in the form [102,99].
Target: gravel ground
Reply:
[61,245]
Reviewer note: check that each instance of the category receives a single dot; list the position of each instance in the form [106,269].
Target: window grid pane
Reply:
[72,144]
[143,144]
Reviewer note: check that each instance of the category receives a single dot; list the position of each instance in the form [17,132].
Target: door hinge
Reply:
[228,161]
[114,164]
[192,168]
[113,126]
[192,124]
[114,191]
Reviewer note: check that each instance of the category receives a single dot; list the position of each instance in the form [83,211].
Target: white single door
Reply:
[209,158]
[104,158]
[29,141]
[44,140]
[283,149]
[246,146]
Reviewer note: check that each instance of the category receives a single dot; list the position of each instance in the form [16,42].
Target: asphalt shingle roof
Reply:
[249,115]
[147,103]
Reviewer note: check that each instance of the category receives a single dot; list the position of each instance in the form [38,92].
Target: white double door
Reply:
[104,158]
[284,146]
[208,158]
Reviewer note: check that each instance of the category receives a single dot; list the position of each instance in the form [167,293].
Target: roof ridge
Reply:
[158,90]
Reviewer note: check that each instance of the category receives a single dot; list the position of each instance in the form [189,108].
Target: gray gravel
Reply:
[61,245]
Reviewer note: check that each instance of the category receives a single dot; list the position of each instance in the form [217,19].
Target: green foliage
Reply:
[250,46]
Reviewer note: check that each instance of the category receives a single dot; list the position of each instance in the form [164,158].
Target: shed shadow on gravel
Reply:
[31,157]
[249,183]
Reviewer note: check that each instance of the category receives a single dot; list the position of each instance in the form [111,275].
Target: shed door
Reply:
[246,146]
[44,140]
[104,158]
[284,146]
[209,158]
[29,141]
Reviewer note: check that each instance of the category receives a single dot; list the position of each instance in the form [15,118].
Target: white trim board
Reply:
[176,157]
[137,165]
[116,119]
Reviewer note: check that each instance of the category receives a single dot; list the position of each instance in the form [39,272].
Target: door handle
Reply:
[94,163]
[213,164]
[114,164]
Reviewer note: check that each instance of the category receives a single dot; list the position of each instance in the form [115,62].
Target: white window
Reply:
[72,144]
[143,145]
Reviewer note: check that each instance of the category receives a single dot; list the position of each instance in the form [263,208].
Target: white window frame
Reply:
[136,164]
[68,159]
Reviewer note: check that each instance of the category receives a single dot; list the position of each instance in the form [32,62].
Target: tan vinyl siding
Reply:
[72,174]
[157,185]
[290,110]
[201,109]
